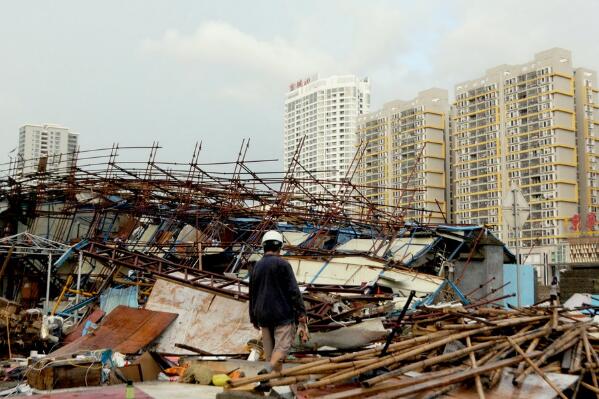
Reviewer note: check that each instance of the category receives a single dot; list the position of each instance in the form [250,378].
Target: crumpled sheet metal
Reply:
[354,336]
[113,297]
[125,330]
[356,270]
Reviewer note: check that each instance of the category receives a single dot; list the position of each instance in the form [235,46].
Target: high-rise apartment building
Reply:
[324,111]
[374,170]
[45,147]
[532,126]
[405,162]
[587,122]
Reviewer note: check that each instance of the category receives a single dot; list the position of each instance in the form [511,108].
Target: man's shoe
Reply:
[265,370]
[264,386]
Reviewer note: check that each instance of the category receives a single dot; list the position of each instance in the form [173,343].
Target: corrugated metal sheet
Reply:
[190,234]
[403,249]
[294,238]
[215,324]
[356,270]
[111,298]
[359,245]
[124,330]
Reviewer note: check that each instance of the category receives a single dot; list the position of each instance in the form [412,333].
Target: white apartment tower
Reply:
[535,126]
[324,111]
[45,148]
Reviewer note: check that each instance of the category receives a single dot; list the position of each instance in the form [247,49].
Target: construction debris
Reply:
[452,346]
[133,271]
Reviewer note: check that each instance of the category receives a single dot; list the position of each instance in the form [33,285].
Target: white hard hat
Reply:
[272,235]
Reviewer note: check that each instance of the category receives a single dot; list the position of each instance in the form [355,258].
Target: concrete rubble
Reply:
[115,273]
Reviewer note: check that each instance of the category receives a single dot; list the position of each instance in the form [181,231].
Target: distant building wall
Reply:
[48,147]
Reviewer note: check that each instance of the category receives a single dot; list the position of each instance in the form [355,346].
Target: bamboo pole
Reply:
[305,368]
[590,388]
[576,363]
[289,380]
[495,378]
[575,394]
[477,381]
[66,287]
[536,368]
[334,367]
[554,318]
[427,383]
[386,361]
[559,345]
[406,381]
[441,358]
[594,355]
[531,347]
[588,352]
[495,375]
[8,336]
[394,358]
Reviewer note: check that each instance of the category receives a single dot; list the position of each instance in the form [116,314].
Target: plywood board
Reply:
[212,323]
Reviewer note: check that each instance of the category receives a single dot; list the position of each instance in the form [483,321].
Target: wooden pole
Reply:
[6,260]
[441,358]
[590,388]
[477,381]
[8,335]
[426,383]
[535,367]
[404,382]
[531,347]
[589,354]
[304,368]
[394,358]
[561,344]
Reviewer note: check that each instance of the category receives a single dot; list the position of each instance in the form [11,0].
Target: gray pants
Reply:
[279,339]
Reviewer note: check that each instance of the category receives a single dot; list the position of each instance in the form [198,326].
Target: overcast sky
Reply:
[178,72]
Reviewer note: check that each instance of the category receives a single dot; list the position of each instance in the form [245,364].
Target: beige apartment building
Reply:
[405,160]
[534,126]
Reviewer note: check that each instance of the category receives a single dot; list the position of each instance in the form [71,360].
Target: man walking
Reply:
[554,291]
[276,305]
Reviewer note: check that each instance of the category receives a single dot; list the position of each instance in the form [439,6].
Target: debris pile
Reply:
[134,271]
[444,347]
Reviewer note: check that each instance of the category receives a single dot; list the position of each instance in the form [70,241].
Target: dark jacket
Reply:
[275,298]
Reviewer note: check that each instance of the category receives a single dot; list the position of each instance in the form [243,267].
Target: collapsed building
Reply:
[155,255]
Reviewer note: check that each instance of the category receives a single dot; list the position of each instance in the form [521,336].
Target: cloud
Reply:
[215,66]
[490,33]
[374,41]
[219,44]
